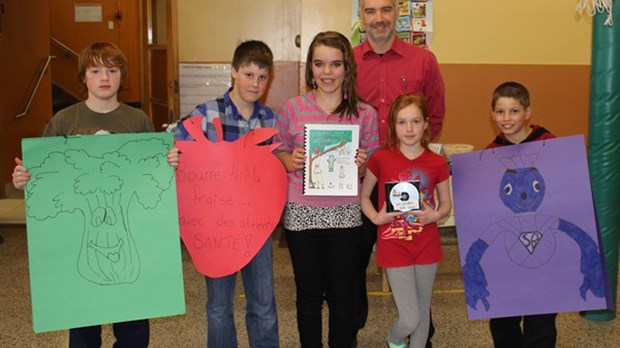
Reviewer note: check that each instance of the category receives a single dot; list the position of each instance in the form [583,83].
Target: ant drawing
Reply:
[529,238]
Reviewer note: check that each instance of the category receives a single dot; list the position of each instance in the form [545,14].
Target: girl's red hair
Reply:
[400,103]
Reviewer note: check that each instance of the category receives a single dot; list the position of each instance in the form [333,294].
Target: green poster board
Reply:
[103,235]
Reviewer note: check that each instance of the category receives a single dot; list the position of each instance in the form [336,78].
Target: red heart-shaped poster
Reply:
[230,197]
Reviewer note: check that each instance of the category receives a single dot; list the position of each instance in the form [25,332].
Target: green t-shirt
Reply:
[78,119]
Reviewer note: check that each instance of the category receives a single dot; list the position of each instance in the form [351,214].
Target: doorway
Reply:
[161,63]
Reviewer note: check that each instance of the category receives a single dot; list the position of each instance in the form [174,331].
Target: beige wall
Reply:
[323,15]
[209,31]
[484,31]
[511,32]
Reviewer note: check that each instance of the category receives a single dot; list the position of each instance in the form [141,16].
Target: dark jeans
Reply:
[130,334]
[323,263]
[538,331]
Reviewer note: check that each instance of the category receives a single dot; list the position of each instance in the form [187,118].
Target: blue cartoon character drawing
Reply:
[529,238]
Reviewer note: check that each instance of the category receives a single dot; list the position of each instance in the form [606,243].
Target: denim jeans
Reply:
[261,318]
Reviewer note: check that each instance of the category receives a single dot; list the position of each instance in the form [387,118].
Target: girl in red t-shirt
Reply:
[408,244]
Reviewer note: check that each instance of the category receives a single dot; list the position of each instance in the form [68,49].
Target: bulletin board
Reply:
[199,82]
[414,23]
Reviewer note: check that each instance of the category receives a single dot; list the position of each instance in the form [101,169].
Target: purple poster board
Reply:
[526,229]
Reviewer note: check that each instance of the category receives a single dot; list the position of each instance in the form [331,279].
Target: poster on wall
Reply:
[527,231]
[414,23]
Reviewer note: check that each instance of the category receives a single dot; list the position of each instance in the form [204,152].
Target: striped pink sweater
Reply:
[303,109]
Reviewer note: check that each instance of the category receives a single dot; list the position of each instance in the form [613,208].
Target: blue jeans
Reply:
[261,318]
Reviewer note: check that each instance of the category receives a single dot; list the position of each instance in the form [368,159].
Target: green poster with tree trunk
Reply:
[103,235]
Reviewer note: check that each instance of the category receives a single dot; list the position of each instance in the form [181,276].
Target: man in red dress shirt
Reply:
[388,67]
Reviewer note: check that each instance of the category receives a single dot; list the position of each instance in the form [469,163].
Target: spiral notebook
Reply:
[330,162]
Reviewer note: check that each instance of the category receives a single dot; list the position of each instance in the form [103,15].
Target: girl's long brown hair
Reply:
[350,98]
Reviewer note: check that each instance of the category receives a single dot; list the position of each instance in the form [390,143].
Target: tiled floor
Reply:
[189,330]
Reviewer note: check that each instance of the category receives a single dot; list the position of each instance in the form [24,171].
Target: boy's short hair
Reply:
[253,51]
[513,90]
[102,53]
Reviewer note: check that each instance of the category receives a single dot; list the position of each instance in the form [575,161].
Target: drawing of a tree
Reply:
[323,142]
[101,189]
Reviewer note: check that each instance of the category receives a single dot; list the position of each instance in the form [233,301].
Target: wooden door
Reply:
[161,68]
[78,23]
[24,49]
